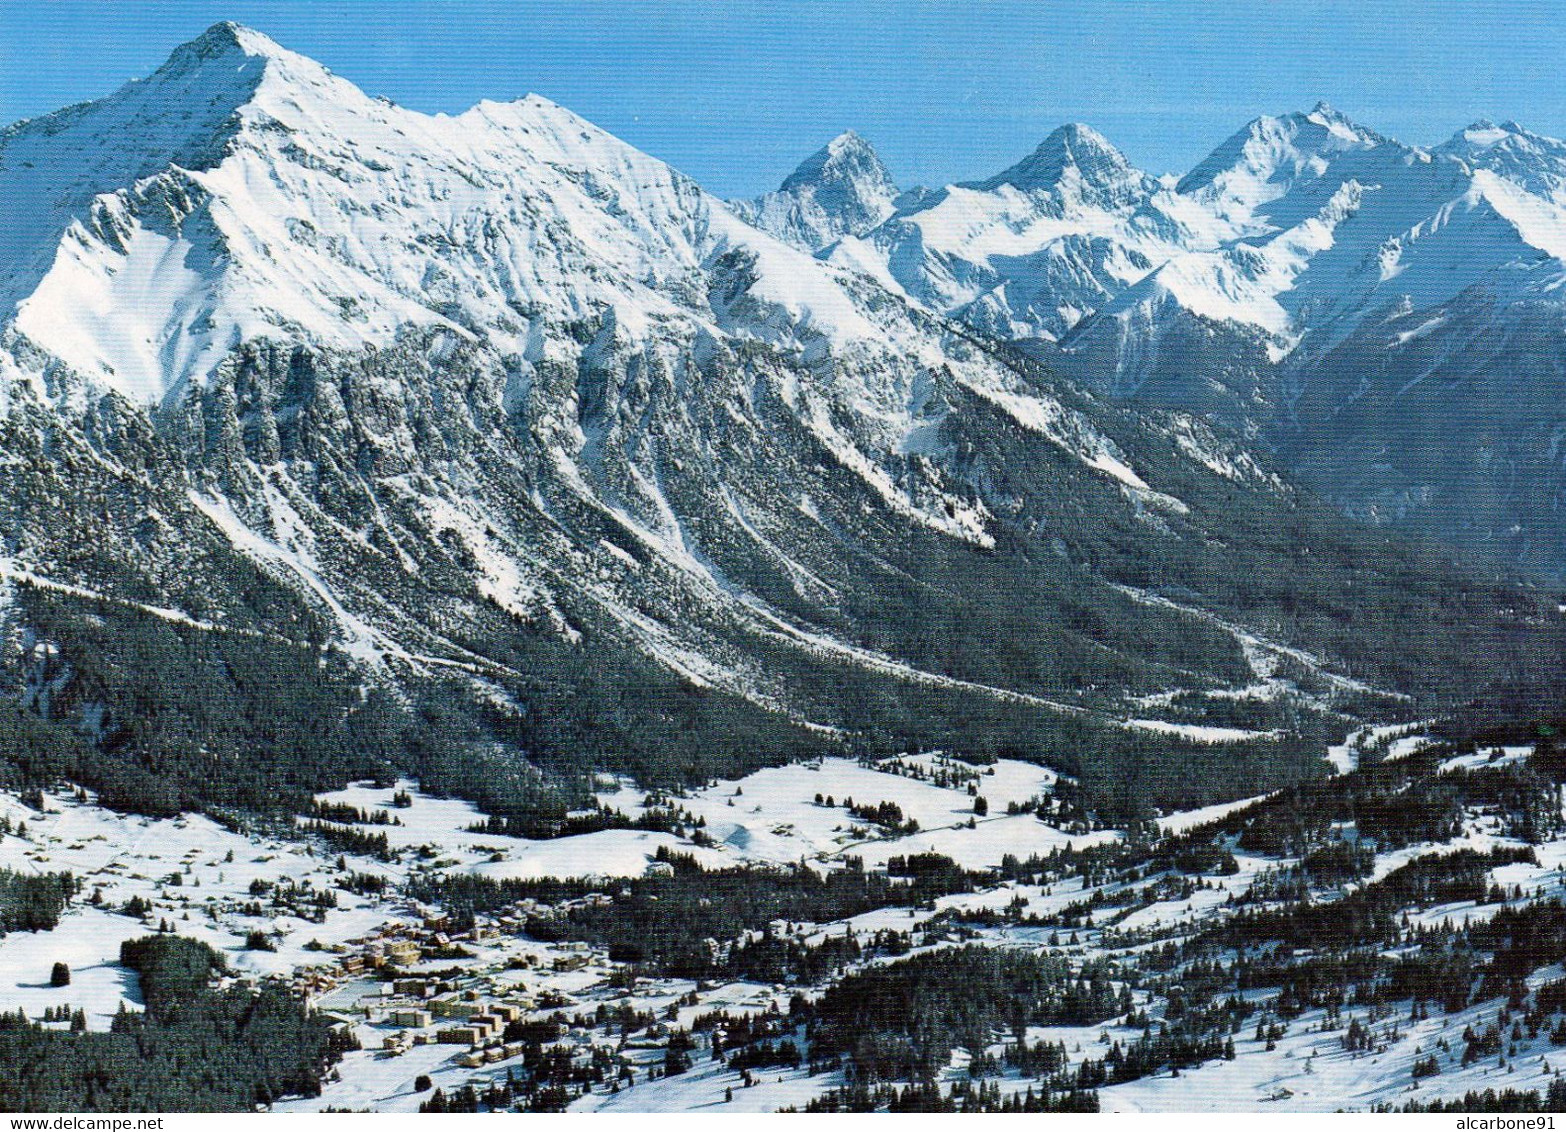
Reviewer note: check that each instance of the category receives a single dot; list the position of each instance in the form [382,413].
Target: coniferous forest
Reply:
[194,1048]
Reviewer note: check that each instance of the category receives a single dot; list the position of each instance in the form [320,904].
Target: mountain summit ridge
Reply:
[1078,153]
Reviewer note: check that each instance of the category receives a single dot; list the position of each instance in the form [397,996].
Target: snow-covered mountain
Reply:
[1031,251]
[1271,284]
[1292,224]
[842,189]
[1535,163]
[497,395]
[345,446]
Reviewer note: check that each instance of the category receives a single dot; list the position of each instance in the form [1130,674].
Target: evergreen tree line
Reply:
[664,923]
[900,1021]
[32,902]
[185,719]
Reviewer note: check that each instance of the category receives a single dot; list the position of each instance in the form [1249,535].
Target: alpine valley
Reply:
[485,567]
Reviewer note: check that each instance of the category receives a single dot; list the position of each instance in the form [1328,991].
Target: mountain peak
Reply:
[850,142]
[1534,162]
[846,158]
[185,115]
[225,35]
[230,57]
[840,190]
[1485,133]
[1327,116]
[1078,137]
[226,38]
[1074,153]
[1280,148]
[1337,124]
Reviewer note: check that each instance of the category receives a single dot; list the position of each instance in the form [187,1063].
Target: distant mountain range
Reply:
[495,398]
[1391,320]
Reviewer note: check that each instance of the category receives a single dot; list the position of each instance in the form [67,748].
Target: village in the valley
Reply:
[472,1002]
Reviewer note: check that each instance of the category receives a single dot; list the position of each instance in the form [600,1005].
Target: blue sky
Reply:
[736,92]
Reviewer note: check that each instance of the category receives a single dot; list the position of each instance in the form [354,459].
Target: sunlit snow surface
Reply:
[308,211]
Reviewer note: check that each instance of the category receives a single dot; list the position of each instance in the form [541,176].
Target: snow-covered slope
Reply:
[1032,250]
[1337,225]
[1293,226]
[304,209]
[1534,162]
